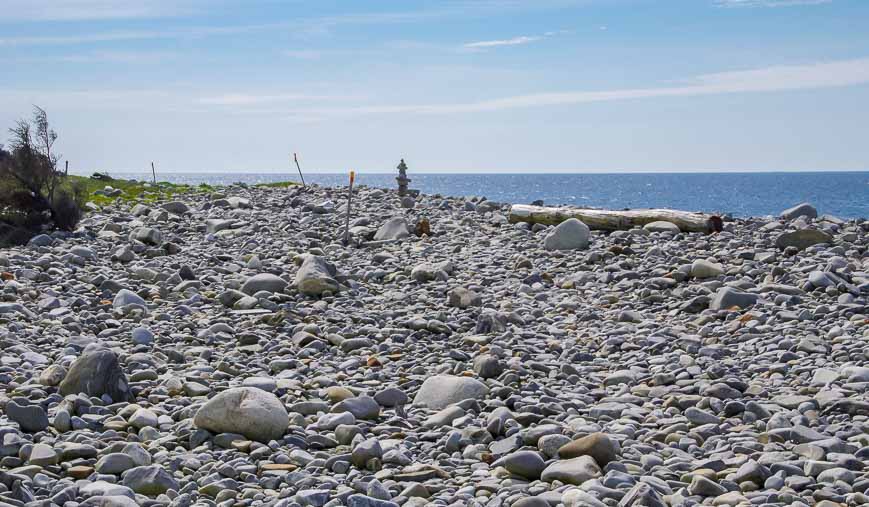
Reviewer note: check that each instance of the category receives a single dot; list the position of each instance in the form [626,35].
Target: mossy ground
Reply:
[146,192]
[132,190]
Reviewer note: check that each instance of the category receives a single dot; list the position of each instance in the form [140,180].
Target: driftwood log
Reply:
[610,220]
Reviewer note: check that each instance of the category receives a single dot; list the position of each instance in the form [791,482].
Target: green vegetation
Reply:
[34,195]
[146,192]
[132,190]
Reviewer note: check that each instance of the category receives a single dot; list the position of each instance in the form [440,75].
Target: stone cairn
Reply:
[402,178]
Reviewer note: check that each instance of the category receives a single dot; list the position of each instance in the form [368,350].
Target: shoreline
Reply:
[388,184]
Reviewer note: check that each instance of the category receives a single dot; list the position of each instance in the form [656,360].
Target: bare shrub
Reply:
[33,192]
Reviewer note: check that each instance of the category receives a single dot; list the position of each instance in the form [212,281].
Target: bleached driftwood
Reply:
[610,220]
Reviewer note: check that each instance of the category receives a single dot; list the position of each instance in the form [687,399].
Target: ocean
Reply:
[843,194]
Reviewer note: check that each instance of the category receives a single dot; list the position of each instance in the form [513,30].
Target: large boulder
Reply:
[95,373]
[701,268]
[571,234]
[147,235]
[728,297]
[572,471]
[150,480]
[662,226]
[800,210]
[597,445]
[802,238]
[441,391]
[31,418]
[527,464]
[126,297]
[176,207]
[316,276]
[215,225]
[394,228]
[248,411]
[461,297]
[263,281]
[427,271]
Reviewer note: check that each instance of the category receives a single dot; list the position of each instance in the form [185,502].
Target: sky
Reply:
[450,85]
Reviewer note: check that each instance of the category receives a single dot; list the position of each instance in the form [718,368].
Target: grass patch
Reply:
[146,192]
[132,190]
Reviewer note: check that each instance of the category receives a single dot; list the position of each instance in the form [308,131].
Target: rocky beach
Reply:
[225,347]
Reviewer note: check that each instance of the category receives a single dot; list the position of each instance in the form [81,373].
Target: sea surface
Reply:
[843,194]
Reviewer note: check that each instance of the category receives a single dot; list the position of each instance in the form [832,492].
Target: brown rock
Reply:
[597,445]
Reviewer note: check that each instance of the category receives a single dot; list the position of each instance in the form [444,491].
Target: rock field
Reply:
[227,349]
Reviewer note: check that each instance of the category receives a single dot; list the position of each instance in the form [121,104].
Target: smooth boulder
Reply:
[126,297]
[263,281]
[31,418]
[95,373]
[662,226]
[394,228]
[147,235]
[701,268]
[597,445]
[571,234]
[248,411]
[800,210]
[441,391]
[150,480]
[728,297]
[316,276]
[572,471]
[802,239]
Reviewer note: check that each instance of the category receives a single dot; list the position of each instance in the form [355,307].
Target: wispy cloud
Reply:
[515,41]
[769,3]
[302,28]
[78,10]
[246,99]
[769,79]
[307,107]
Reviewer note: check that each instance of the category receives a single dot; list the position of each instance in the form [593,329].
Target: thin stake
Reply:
[349,201]
[66,169]
[296,159]
[154,173]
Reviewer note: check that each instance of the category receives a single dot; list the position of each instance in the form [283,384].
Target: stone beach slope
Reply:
[227,349]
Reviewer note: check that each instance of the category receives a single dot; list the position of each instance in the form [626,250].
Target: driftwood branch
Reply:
[608,220]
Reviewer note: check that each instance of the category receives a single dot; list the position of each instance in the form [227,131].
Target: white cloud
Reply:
[769,3]
[77,10]
[305,107]
[515,41]
[769,79]
[246,99]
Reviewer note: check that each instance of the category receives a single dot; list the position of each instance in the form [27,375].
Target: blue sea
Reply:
[843,194]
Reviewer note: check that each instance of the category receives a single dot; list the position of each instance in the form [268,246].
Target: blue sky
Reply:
[452,86]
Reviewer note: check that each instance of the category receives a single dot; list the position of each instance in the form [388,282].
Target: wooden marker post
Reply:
[66,168]
[154,173]
[349,201]
[296,159]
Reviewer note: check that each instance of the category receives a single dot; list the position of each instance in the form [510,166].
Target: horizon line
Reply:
[489,173]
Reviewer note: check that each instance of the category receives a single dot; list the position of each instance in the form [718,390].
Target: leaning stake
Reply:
[296,159]
[349,200]
[154,173]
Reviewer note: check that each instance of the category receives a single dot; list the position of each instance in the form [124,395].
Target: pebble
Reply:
[227,348]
